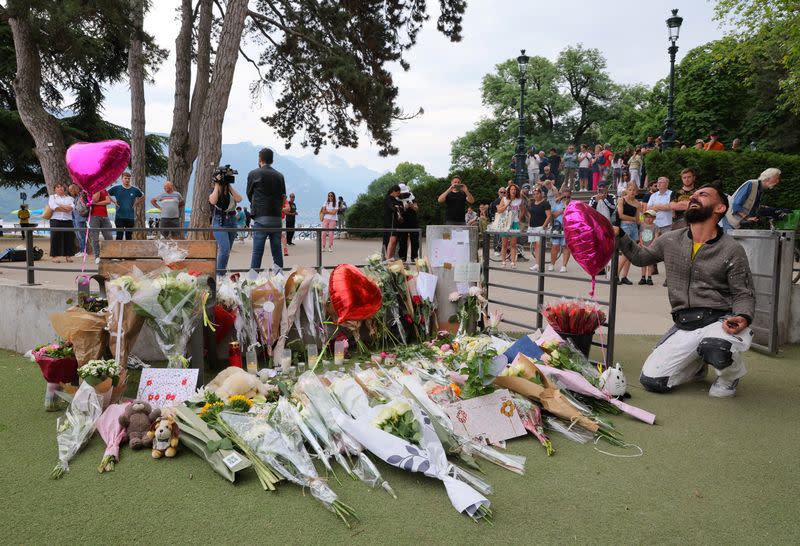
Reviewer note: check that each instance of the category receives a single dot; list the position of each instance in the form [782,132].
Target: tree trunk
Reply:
[43,127]
[183,139]
[136,74]
[210,136]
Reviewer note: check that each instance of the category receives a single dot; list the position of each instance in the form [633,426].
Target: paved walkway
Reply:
[641,309]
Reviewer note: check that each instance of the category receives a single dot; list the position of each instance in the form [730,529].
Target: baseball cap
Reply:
[650,212]
[526,186]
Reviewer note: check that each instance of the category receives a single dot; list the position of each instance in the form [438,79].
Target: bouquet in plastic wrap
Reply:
[76,426]
[59,366]
[172,303]
[278,442]
[574,316]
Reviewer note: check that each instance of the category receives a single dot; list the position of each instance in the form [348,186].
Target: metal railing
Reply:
[29,235]
[540,277]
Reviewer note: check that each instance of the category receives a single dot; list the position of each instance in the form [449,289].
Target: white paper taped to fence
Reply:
[449,251]
[468,272]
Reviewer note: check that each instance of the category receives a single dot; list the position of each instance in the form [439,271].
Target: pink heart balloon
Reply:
[590,238]
[95,165]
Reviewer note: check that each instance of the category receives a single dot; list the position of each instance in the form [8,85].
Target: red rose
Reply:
[407,318]
[416,300]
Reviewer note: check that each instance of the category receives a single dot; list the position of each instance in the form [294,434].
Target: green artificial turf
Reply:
[713,471]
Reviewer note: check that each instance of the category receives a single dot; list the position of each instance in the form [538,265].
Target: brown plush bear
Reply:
[137,419]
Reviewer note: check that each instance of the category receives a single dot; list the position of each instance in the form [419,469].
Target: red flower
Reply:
[408,319]
[416,300]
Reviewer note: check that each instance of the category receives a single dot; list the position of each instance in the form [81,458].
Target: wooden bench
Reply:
[121,257]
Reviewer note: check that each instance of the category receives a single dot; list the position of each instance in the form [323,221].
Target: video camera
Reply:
[225,175]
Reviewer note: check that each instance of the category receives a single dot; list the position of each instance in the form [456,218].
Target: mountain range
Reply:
[309,177]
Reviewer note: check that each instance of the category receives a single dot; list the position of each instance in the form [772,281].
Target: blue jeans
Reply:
[224,240]
[261,224]
[81,233]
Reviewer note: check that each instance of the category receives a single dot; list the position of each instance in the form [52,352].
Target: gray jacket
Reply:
[718,278]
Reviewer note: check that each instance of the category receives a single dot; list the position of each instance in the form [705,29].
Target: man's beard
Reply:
[699,214]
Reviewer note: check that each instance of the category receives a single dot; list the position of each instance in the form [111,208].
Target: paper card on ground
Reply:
[426,286]
[164,387]
[491,419]
[467,272]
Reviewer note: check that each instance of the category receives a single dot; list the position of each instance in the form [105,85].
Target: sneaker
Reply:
[97,260]
[649,281]
[642,281]
[624,280]
[496,254]
[723,388]
[534,267]
[550,267]
[80,254]
[563,269]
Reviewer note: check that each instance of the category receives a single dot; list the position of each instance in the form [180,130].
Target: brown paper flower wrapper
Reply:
[86,331]
[546,394]
[261,295]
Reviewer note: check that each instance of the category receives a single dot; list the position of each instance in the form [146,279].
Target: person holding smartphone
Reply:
[711,293]
[455,199]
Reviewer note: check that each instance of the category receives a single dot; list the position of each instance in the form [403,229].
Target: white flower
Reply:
[475,291]
[454,296]
[383,415]
[184,277]
[396,267]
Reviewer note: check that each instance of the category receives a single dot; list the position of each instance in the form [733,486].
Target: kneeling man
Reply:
[712,298]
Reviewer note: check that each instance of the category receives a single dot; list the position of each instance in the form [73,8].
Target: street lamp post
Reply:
[674,27]
[521,175]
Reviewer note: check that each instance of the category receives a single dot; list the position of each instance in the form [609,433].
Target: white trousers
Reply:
[676,357]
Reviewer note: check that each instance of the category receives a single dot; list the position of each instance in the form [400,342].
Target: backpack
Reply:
[80,205]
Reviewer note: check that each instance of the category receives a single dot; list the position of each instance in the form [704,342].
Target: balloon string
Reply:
[86,237]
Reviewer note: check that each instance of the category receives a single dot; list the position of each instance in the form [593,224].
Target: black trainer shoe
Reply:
[624,280]
[649,281]
[642,281]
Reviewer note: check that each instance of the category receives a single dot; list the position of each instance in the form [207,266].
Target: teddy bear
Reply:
[164,434]
[137,419]
[233,380]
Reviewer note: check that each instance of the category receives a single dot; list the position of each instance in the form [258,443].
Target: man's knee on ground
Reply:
[716,351]
[655,384]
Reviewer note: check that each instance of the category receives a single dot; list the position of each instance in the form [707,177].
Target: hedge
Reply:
[367,211]
[732,168]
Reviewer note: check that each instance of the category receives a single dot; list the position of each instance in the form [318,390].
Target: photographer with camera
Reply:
[455,199]
[223,200]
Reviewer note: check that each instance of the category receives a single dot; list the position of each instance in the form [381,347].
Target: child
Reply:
[647,234]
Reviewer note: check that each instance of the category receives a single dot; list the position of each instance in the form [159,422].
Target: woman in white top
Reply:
[584,167]
[329,213]
[511,203]
[62,243]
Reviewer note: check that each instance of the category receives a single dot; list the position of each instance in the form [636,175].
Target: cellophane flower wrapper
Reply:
[326,408]
[76,426]
[279,444]
[172,303]
[574,316]
[429,459]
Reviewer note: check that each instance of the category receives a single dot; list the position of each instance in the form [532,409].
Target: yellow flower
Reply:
[240,398]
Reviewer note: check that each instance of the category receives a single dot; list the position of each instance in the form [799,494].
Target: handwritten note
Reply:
[164,387]
[449,251]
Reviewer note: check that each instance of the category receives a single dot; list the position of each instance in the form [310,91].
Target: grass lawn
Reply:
[713,471]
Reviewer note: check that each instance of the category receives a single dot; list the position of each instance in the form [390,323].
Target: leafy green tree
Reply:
[768,28]
[589,85]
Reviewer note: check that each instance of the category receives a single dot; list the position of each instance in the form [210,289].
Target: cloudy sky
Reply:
[444,78]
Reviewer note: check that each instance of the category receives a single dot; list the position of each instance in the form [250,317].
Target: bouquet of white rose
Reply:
[172,303]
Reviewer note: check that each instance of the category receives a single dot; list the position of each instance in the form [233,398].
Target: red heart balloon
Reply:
[353,295]
[95,165]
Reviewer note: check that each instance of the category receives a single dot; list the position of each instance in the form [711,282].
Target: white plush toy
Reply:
[613,382]
[233,380]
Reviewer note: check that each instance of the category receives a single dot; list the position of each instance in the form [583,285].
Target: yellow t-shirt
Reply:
[695,248]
